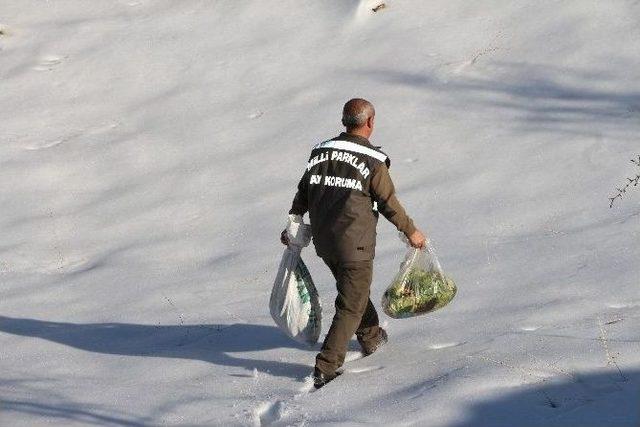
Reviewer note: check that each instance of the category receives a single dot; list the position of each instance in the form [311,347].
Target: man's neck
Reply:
[359,132]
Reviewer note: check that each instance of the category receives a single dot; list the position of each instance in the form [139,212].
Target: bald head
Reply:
[357,113]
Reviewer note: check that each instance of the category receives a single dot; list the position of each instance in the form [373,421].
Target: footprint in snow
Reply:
[617,305]
[49,62]
[256,114]
[440,346]
[307,387]
[96,131]
[268,413]
[364,369]
[44,144]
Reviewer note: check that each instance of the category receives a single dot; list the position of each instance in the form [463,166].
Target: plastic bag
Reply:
[295,304]
[420,286]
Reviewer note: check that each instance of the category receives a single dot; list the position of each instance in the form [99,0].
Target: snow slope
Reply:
[149,153]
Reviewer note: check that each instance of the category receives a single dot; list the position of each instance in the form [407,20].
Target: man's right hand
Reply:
[417,240]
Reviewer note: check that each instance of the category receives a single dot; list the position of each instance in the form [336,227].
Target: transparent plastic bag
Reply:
[294,303]
[420,286]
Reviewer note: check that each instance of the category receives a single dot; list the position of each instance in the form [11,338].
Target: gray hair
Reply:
[356,112]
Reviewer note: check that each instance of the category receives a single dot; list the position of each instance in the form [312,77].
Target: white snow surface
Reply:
[149,152]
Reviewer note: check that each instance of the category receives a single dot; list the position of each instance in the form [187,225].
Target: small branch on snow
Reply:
[622,191]
[611,359]
[185,338]
[527,372]
[176,308]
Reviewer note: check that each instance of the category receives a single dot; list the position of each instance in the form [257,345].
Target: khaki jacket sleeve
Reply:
[383,193]
[300,204]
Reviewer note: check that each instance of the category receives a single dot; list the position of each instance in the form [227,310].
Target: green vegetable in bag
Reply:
[420,286]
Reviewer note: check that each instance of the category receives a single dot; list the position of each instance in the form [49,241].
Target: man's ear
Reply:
[370,122]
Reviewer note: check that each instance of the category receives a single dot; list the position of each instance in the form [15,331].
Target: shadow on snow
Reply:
[590,399]
[209,343]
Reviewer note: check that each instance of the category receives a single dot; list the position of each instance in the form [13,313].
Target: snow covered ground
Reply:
[149,151]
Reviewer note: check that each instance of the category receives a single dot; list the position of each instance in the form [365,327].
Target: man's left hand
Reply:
[418,240]
[283,237]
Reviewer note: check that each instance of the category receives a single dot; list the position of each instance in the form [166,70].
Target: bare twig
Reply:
[622,191]
[176,308]
[526,373]
[611,359]
[185,337]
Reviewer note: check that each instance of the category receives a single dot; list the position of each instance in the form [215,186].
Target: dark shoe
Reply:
[320,379]
[370,348]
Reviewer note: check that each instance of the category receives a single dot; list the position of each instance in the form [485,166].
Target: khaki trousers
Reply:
[355,313]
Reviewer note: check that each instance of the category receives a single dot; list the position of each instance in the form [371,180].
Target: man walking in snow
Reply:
[345,185]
